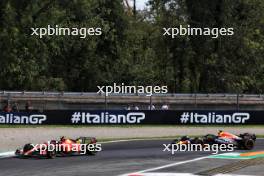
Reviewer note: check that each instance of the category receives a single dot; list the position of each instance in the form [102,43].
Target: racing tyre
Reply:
[91,152]
[17,152]
[248,144]
[209,139]
[51,154]
[198,141]
[27,147]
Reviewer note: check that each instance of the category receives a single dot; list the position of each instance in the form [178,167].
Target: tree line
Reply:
[132,48]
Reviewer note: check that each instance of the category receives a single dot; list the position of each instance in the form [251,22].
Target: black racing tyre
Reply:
[248,136]
[197,141]
[88,150]
[27,147]
[209,139]
[248,144]
[91,151]
[51,154]
[17,152]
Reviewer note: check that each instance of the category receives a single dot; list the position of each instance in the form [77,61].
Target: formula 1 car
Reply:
[245,141]
[62,147]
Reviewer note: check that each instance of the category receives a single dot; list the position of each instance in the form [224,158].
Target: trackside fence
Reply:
[42,101]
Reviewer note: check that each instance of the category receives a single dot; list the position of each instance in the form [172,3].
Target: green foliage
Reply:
[132,49]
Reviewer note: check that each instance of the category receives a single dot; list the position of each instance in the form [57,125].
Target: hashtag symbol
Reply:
[185,117]
[76,117]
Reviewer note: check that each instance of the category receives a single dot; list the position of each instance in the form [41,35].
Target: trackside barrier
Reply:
[123,117]
[97,101]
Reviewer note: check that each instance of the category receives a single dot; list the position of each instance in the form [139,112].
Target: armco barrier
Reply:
[133,118]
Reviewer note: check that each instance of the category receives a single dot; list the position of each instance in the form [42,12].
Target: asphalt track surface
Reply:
[120,158]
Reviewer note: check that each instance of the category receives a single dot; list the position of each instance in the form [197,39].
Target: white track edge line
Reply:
[166,166]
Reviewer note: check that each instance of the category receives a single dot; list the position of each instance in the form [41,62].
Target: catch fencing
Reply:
[92,101]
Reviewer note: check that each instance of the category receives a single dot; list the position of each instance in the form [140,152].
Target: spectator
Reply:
[128,107]
[29,107]
[151,107]
[15,107]
[165,107]
[7,107]
[136,108]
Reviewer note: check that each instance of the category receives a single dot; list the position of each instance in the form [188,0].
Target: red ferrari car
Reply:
[62,147]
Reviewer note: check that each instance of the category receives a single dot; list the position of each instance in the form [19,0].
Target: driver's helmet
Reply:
[220,132]
[62,138]
[78,141]
[185,138]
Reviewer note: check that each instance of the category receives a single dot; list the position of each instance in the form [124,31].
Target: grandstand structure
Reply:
[89,100]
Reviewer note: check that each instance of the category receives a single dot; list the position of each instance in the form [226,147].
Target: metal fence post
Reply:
[150,101]
[195,105]
[105,102]
[237,102]
[9,98]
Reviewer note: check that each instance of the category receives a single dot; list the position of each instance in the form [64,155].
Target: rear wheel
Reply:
[51,154]
[91,151]
[197,141]
[248,144]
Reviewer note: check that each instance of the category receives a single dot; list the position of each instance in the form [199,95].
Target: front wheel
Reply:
[28,147]
[91,152]
[51,154]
